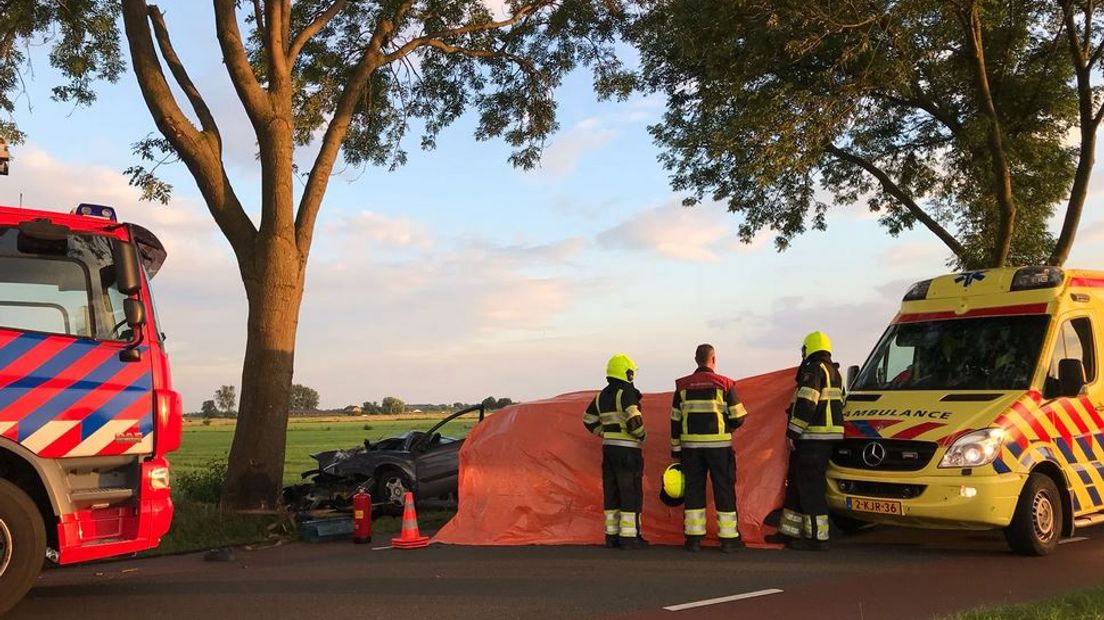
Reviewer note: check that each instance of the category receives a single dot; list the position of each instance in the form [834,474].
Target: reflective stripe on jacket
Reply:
[816,411]
[614,415]
[704,411]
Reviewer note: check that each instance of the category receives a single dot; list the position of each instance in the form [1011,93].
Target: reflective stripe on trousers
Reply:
[792,523]
[693,522]
[727,525]
[613,522]
[815,527]
[628,525]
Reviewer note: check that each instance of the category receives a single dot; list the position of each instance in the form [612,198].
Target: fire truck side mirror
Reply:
[127,278]
[135,312]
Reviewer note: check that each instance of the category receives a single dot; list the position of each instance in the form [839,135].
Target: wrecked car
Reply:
[425,462]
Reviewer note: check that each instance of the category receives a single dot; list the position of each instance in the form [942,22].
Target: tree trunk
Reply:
[256,467]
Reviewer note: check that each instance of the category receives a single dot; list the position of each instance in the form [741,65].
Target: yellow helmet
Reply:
[674,484]
[817,341]
[619,366]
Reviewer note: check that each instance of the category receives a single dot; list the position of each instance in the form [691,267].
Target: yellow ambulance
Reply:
[981,407]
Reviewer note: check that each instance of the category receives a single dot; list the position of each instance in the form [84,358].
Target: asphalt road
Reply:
[888,573]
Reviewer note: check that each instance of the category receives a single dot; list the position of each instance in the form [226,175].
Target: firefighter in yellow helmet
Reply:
[815,426]
[614,415]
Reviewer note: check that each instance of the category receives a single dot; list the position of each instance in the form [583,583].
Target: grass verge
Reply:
[1084,605]
[198,526]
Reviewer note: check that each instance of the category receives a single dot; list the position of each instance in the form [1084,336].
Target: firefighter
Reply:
[615,416]
[704,412]
[815,426]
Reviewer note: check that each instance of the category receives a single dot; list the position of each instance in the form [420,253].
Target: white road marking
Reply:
[723,599]
[381,548]
[1072,540]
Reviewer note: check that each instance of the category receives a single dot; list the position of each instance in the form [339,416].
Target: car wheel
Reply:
[1036,525]
[391,487]
[22,544]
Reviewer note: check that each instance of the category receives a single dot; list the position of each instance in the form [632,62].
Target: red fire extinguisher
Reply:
[362,517]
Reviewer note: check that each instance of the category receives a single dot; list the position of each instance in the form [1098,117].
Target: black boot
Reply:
[612,541]
[630,544]
[777,539]
[693,544]
[730,545]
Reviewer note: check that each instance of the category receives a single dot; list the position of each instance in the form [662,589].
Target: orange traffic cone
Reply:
[410,537]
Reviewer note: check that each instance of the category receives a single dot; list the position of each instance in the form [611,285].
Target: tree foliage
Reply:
[392,405]
[951,114]
[226,397]
[209,409]
[84,46]
[303,398]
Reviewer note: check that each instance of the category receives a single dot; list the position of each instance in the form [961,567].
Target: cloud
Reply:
[1091,232]
[911,254]
[385,230]
[774,337]
[699,234]
[563,155]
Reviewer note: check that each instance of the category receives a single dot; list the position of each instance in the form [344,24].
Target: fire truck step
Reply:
[101,495]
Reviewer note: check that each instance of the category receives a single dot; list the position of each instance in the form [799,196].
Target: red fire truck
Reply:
[87,409]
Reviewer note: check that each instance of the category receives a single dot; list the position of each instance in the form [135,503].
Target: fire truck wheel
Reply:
[1036,526]
[22,544]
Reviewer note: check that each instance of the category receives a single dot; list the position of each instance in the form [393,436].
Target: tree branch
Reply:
[902,197]
[319,176]
[313,28]
[276,44]
[1002,176]
[1089,121]
[180,74]
[202,160]
[417,42]
[252,95]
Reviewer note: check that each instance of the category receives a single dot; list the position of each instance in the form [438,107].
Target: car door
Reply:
[437,466]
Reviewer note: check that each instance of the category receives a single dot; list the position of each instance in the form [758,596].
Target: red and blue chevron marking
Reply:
[78,382]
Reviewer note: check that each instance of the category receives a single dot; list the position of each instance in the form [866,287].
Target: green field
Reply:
[203,444]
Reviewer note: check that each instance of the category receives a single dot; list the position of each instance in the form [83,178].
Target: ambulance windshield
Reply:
[989,353]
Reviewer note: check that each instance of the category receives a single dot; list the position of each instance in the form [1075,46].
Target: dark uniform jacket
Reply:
[817,408]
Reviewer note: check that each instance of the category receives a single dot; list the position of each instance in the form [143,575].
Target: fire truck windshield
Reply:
[60,287]
[989,353]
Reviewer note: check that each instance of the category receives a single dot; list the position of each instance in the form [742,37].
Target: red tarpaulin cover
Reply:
[531,475]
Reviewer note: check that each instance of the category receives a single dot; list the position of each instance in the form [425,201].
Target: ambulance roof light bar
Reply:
[91,210]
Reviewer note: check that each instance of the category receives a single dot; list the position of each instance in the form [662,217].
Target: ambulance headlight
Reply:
[974,449]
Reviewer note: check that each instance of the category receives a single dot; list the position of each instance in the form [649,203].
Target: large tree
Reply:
[955,115]
[346,78]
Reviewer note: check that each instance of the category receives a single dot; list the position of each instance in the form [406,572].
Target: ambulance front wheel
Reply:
[22,544]
[1036,525]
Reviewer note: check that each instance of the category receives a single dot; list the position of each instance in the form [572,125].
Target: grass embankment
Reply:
[199,465]
[1085,605]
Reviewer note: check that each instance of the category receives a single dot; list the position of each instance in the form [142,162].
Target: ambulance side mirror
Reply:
[1071,377]
[852,374]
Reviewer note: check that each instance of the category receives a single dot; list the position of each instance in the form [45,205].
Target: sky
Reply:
[457,276]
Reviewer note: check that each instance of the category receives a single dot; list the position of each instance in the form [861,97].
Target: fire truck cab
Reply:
[979,408]
[87,409]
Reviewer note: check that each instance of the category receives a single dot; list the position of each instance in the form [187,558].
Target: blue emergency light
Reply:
[92,210]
